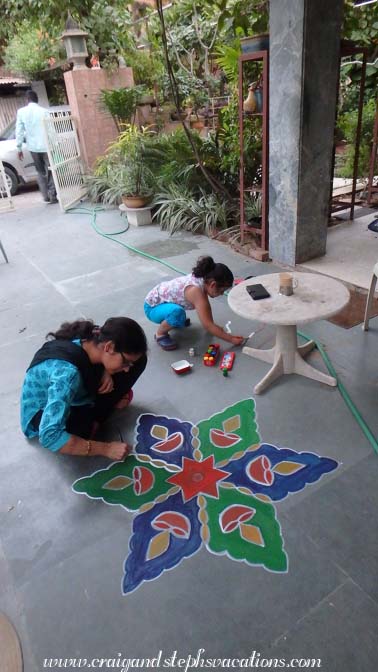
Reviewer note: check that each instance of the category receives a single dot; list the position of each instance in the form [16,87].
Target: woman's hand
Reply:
[107,384]
[237,340]
[116,450]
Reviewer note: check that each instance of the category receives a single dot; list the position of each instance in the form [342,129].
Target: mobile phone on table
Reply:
[257,292]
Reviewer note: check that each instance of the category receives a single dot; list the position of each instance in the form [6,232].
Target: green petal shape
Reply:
[131,484]
[229,434]
[245,528]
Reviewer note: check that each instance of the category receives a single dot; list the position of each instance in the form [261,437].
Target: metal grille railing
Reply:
[65,159]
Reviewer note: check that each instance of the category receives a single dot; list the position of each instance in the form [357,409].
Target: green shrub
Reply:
[147,70]
[347,123]
[227,139]
[179,209]
[122,103]
[172,159]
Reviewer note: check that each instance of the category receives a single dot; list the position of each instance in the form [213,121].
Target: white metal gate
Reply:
[65,159]
[6,202]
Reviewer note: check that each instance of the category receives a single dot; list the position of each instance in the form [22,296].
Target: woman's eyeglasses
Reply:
[126,362]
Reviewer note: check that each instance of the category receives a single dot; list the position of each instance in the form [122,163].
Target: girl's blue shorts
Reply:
[175,315]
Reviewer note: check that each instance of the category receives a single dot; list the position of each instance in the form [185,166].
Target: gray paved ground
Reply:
[61,555]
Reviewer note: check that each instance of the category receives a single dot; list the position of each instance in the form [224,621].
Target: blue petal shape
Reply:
[313,468]
[145,441]
[137,567]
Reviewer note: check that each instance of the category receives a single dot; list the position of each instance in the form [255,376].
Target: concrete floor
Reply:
[61,554]
[352,249]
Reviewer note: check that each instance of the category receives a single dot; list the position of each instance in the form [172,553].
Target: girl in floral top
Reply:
[167,303]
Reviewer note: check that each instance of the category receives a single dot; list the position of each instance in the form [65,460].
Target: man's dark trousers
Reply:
[44,175]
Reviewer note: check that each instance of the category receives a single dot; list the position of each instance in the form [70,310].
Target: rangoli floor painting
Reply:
[211,484]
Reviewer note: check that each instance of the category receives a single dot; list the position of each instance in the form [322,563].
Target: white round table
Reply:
[316,297]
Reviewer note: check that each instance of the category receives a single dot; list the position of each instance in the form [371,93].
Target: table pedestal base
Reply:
[287,357]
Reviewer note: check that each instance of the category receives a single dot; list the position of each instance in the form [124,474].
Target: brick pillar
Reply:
[96,127]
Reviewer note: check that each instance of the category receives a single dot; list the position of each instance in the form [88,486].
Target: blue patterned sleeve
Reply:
[63,386]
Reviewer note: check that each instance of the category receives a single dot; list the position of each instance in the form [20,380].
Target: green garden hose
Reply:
[351,406]
[353,409]
[110,236]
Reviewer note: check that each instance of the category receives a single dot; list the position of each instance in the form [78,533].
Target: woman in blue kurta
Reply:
[76,379]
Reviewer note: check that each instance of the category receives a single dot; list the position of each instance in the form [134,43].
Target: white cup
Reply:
[287,284]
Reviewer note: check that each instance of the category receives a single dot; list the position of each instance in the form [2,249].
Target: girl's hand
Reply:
[107,384]
[237,340]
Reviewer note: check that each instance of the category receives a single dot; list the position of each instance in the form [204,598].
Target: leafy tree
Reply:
[106,22]
[28,53]
[361,25]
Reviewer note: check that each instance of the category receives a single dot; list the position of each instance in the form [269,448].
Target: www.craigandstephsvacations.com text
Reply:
[190,662]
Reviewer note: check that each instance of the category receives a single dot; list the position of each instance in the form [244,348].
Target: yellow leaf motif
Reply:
[159,432]
[158,545]
[118,483]
[252,534]
[231,424]
[287,468]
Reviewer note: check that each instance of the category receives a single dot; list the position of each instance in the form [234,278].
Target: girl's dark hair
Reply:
[126,334]
[207,269]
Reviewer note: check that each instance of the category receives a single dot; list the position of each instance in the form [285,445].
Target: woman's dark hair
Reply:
[207,269]
[126,334]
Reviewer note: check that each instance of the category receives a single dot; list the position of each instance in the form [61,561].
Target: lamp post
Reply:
[75,44]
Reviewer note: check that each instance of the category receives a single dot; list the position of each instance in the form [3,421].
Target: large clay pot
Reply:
[136,201]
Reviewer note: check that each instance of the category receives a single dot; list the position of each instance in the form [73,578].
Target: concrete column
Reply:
[96,127]
[40,88]
[304,66]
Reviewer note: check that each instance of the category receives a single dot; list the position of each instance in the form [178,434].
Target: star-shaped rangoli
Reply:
[211,484]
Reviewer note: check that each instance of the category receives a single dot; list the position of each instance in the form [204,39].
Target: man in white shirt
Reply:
[29,125]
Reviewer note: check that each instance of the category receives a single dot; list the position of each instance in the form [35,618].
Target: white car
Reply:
[19,172]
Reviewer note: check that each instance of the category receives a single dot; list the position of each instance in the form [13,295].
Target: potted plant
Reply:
[136,184]
[133,176]
[123,174]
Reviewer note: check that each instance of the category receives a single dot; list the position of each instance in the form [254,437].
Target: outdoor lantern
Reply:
[75,43]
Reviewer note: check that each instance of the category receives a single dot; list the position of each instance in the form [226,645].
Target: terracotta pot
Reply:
[136,201]
[197,123]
